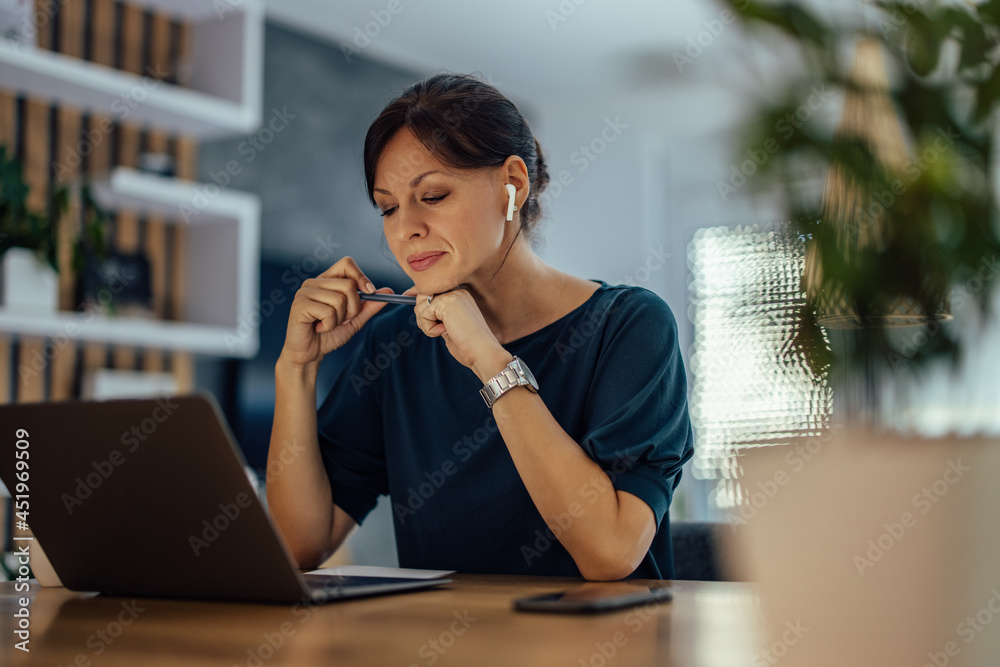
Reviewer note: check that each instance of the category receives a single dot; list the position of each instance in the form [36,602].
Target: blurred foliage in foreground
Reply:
[937,211]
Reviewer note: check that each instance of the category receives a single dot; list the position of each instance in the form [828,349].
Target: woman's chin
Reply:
[429,285]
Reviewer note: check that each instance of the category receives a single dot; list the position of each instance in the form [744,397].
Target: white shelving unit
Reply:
[222,247]
[222,244]
[222,99]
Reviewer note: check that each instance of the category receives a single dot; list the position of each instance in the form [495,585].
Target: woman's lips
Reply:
[425,262]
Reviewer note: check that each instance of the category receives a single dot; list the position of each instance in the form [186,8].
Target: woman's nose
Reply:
[409,223]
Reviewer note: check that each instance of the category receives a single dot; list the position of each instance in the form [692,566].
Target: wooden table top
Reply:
[469,622]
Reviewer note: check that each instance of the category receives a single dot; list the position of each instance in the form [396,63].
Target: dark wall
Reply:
[305,162]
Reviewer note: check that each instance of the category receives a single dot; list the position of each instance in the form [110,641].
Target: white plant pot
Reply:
[29,285]
[16,24]
[877,550]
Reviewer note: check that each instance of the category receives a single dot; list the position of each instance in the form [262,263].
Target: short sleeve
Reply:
[350,434]
[637,424]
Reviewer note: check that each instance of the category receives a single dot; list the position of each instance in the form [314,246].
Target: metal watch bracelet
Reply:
[515,374]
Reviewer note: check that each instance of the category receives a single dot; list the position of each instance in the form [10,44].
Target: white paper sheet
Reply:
[378,571]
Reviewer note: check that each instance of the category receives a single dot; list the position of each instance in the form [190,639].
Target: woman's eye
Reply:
[429,199]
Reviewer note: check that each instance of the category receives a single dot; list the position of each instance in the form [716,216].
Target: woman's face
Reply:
[445,226]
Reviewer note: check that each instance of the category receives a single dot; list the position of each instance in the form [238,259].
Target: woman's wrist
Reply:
[492,364]
[284,368]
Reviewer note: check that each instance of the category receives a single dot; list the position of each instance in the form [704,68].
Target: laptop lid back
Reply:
[146,497]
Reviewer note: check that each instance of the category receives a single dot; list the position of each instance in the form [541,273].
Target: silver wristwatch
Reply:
[515,374]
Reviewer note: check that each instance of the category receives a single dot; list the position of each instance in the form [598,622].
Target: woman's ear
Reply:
[515,172]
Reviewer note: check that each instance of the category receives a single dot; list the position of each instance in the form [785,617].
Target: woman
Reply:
[573,477]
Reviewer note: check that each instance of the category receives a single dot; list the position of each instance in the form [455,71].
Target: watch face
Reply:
[527,374]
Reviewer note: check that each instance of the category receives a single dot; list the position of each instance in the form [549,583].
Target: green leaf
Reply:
[790,17]
[923,43]
[989,11]
[986,95]
[959,23]
[39,230]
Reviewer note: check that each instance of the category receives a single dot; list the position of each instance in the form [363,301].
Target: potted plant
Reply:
[29,239]
[881,543]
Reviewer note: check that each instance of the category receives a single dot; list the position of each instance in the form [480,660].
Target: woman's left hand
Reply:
[455,316]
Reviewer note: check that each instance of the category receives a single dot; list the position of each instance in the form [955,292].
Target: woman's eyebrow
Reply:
[419,178]
[413,183]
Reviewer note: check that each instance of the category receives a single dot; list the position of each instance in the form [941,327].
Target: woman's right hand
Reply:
[327,311]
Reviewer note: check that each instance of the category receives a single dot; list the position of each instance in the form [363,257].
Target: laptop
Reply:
[149,497]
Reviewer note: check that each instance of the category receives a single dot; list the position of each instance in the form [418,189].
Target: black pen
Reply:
[401,299]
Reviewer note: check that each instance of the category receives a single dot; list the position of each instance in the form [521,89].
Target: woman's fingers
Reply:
[346,267]
[369,308]
[323,305]
[338,293]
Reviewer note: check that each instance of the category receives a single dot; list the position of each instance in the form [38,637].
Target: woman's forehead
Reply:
[406,160]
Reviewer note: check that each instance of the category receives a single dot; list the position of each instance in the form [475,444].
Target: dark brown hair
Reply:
[465,123]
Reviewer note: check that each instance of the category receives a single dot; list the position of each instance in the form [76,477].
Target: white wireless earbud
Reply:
[511,192]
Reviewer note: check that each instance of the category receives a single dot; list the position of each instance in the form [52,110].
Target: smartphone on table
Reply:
[596,597]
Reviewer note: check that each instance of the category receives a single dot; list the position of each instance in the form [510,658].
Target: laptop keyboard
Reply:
[334,584]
